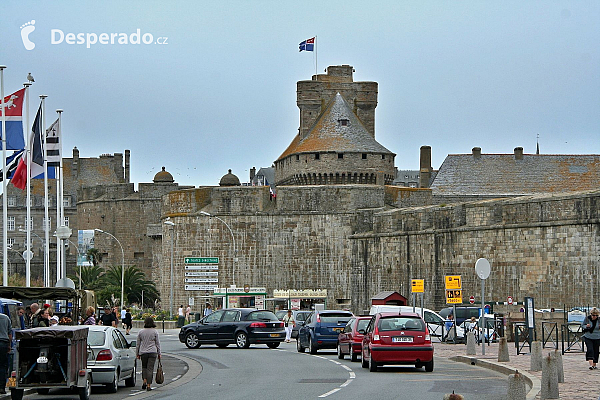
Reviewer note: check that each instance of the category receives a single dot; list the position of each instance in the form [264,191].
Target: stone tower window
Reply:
[344,122]
[383,156]
[297,157]
[340,155]
[317,156]
[364,156]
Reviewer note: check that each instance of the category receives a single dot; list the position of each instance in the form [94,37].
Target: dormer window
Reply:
[317,156]
[344,122]
[364,156]
[340,156]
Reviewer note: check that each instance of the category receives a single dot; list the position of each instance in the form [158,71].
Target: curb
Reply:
[535,385]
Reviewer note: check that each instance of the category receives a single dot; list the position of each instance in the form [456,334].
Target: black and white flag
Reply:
[11,164]
[53,145]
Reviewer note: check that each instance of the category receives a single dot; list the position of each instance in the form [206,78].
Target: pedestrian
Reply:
[35,313]
[180,316]
[591,329]
[5,347]
[148,350]
[123,313]
[208,309]
[289,323]
[21,314]
[90,316]
[53,320]
[188,314]
[449,325]
[127,321]
[115,311]
[28,314]
[43,320]
[108,318]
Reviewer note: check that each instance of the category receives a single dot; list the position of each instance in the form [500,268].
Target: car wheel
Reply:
[354,357]
[363,361]
[299,346]
[192,341]
[130,382]
[114,385]
[312,346]
[340,354]
[372,364]
[429,366]
[86,391]
[222,345]
[241,340]
[43,391]
[273,345]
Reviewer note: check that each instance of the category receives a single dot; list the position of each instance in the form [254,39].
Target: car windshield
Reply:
[401,324]
[335,317]
[362,324]
[96,338]
[261,316]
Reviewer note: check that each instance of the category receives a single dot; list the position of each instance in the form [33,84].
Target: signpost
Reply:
[417,286]
[472,299]
[201,260]
[482,269]
[201,273]
[453,289]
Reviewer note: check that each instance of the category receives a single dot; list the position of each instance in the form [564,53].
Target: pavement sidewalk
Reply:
[580,383]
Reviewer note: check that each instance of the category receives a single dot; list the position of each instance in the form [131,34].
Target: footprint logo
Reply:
[26,29]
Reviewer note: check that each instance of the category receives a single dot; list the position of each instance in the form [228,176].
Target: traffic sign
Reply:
[453,296]
[509,300]
[472,299]
[453,282]
[201,260]
[417,285]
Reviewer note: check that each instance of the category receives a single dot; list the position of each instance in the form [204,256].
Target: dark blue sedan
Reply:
[321,330]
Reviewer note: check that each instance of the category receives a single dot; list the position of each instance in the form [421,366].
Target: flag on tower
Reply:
[53,145]
[308,45]
[13,103]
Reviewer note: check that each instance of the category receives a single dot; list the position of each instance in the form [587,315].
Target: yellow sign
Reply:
[453,296]
[417,285]
[453,282]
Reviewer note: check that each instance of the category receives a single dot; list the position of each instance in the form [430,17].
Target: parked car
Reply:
[321,330]
[111,358]
[350,340]
[242,326]
[463,313]
[435,322]
[392,338]
[300,318]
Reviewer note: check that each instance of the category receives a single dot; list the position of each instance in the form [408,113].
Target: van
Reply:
[434,321]
[463,313]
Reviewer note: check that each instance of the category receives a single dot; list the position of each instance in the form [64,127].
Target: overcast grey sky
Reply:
[222,92]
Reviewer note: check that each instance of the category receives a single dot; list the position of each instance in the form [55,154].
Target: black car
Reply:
[242,326]
[321,330]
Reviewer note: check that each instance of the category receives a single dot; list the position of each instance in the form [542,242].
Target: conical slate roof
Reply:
[330,134]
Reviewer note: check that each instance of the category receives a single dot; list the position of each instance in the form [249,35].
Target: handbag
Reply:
[160,375]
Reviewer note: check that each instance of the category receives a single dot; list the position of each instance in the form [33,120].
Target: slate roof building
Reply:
[465,177]
[336,142]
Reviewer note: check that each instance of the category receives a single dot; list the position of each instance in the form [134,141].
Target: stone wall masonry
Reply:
[403,197]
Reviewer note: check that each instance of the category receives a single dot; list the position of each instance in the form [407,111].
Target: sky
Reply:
[221,92]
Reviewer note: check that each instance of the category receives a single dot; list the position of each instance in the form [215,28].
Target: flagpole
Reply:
[47,225]
[63,260]
[4,200]
[28,230]
[316,56]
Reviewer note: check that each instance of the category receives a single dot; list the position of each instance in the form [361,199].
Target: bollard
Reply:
[536,356]
[503,351]
[549,378]
[453,396]
[517,388]
[559,362]
[471,346]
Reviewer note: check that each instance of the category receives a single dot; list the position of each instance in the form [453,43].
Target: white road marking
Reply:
[177,377]
[330,392]
[336,362]
[136,393]
[346,383]
[346,367]
[352,375]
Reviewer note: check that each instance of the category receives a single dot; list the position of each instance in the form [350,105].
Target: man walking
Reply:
[108,318]
[208,309]
[5,344]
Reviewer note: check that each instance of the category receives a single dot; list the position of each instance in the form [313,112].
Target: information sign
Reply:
[417,285]
[201,260]
[201,287]
[453,296]
[202,267]
[453,282]
[201,280]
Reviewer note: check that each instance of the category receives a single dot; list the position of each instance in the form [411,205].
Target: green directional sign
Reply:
[201,260]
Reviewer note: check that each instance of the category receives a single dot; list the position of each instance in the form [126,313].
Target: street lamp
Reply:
[77,249]
[232,239]
[172,225]
[122,264]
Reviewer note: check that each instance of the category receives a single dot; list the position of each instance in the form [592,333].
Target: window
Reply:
[116,341]
[66,221]
[231,316]
[317,156]
[214,317]
[383,156]
[12,201]
[10,222]
[10,242]
[364,156]
[343,122]
[67,201]
[30,225]
[48,222]
[340,155]
[297,157]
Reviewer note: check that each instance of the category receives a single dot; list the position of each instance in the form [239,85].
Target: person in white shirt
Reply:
[123,312]
[289,323]
[181,317]
[208,309]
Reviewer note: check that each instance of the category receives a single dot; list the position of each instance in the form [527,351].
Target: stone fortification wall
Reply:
[547,247]
[402,197]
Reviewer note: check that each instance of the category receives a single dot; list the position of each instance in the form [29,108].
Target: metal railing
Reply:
[522,337]
[572,334]
[549,328]
[436,330]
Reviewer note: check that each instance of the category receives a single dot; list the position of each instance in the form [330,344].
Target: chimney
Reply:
[476,153]
[75,161]
[252,173]
[518,153]
[425,167]
[127,157]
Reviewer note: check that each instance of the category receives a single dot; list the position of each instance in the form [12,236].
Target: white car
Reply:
[110,357]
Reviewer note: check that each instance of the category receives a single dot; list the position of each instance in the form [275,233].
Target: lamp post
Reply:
[30,256]
[77,249]
[172,225]
[122,264]
[232,239]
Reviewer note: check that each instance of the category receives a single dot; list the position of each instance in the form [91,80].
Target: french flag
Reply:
[13,104]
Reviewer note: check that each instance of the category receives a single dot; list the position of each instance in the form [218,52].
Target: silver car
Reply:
[110,357]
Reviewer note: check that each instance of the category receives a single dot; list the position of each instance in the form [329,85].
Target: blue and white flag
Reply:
[308,45]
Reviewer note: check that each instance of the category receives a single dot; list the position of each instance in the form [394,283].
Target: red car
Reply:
[350,340]
[392,338]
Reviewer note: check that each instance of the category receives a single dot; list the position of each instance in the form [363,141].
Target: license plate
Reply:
[338,329]
[274,335]
[402,339]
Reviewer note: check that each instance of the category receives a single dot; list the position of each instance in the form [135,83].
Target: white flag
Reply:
[53,144]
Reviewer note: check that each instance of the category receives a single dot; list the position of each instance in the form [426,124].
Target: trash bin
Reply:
[180,321]
[198,316]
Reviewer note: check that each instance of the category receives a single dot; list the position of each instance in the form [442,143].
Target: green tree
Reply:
[91,277]
[135,281]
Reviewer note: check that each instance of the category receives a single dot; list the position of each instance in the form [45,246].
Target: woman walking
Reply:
[90,316]
[591,329]
[148,349]
[289,323]
[127,321]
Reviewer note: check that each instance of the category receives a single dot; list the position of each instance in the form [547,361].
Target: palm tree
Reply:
[134,283]
[91,276]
